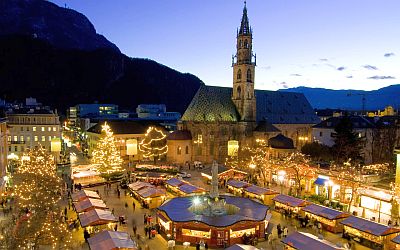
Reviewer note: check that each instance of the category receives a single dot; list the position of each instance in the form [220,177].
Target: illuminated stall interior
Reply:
[263,194]
[375,203]
[224,173]
[329,218]
[371,234]
[97,220]
[151,197]
[236,186]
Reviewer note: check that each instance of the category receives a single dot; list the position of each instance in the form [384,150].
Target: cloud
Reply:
[370,67]
[284,85]
[323,59]
[295,75]
[382,77]
[389,54]
[349,77]
[341,68]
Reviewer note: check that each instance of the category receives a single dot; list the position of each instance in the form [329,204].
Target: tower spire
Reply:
[245,26]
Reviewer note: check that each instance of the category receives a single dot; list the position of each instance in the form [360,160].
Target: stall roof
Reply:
[175,182]
[107,240]
[89,203]
[177,209]
[190,189]
[259,190]
[84,194]
[241,247]
[325,212]
[290,200]
[139,185]
[396,239]
[369,226]
[151,192]
[237,184]
[320,181]
[302,241]
[96,217]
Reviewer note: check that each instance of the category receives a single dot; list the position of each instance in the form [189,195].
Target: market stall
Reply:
[242,247]
[152,177]
[173,184]
[89,204]
[329,218]
[396,241]
[151,197]
[138,185]
[83,194]
[289,204]
[263,194]
[236,186]
[86,175]
[306,241]
[369,233]
[97,220]
[111,240]
[188,189]
[224,173]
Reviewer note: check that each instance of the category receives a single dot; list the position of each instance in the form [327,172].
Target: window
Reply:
[320,133]
[43,138]
[49,137]
[33,128]
[239,75]
[179,150]
[9,139]
[15,138]
[187,150]
[42,129]
[200,138]
[28,138]
[49,129]
[15,148]
[21,138]
[54,129]
[249,75]
[239,92]
[9,148]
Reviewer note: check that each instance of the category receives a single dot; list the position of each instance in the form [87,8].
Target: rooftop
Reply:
[325,212]
[107,240]
[290,200]
[369,226]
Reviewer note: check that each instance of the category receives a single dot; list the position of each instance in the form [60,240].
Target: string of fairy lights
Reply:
[154,143]
[37,191]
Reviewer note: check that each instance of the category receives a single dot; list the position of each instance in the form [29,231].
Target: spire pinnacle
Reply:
[245,26]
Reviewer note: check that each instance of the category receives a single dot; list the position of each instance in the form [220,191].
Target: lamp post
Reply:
[329,185]
[252,166]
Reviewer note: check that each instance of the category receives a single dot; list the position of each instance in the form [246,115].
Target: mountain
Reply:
[61,27]
[351,99]
[55,55]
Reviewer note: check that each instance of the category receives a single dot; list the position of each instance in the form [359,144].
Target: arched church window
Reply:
[240,44]
[239,74]
[238,92]
[246,44]
[249,75]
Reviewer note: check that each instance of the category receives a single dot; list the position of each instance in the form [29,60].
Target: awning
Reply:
[320,181]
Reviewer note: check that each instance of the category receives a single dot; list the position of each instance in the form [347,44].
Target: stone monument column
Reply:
[214,181]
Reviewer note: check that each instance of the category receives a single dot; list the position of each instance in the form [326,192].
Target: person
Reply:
[134,228]
[285,232]
[145,218]
[279,229]
[86,235]
[197,246]
[116,227]
[133,205]
[206,245]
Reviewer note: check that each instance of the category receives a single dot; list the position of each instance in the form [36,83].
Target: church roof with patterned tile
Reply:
[212,104]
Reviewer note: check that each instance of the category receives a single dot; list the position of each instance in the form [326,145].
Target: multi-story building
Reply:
[3,144]
[29,127]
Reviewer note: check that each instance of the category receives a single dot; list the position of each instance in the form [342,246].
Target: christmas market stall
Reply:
[89,204]
[289,204]
[329,218]
[242,247]
[86,175]
[151,197]
[152,177]
[236,187]
[369,233]
[111,240]
[306,241]
[263,194]
[83,194]
[97,220]
[396,241]
[188,189]
[173,184]
[138,185]
[224,174]
[221,221]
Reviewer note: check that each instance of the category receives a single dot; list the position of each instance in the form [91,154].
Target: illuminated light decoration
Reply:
[106,154]
[131,147]
[233,148]
[37,192]
[154,144]
[55,145]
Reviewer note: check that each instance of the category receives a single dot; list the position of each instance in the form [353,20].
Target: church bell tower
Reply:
[243,64]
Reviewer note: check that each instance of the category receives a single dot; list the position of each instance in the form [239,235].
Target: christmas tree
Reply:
[154,144]
[106,153]
[37,193]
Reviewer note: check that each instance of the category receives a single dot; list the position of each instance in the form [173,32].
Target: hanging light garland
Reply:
[154,143]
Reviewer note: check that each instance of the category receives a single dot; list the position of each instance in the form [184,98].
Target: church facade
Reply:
[218,116]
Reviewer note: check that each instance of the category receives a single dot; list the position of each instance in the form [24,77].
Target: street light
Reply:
[329,185]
